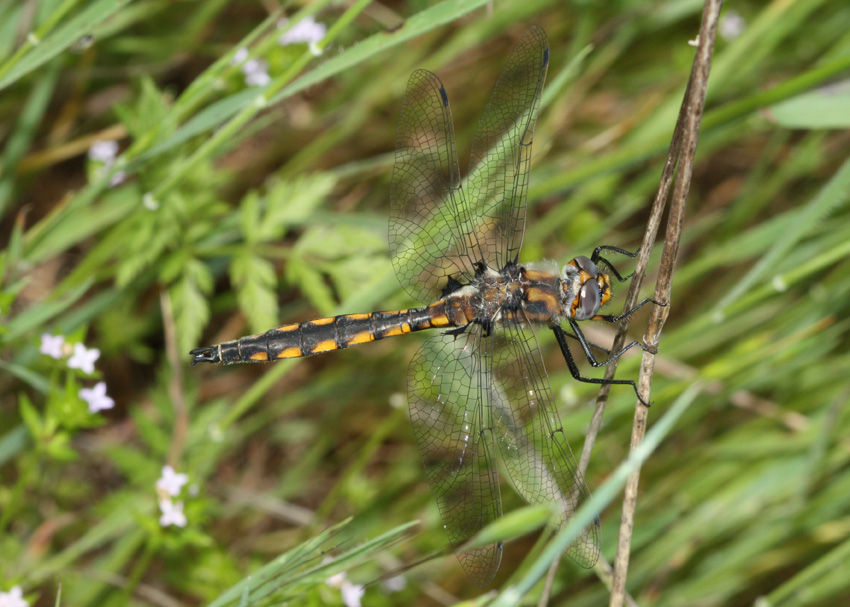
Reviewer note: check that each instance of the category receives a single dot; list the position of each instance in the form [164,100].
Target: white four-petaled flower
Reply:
[239,56]
[172,513]
[352,593]
[256,72]
[96,397]
[731,25]
[83,358]
[307,30]
[52,345]
[171,482]
[13,598]
[104,151]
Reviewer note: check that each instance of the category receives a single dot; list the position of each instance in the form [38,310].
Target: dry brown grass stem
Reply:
[681,156]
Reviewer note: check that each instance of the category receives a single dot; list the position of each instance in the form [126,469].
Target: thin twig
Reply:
[689,119]
[691,109]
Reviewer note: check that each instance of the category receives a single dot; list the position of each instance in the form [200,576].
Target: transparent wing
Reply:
[429,220]
[530,437]
[497,187]
[447,385]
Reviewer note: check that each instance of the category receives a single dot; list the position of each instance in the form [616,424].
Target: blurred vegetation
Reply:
[240,206]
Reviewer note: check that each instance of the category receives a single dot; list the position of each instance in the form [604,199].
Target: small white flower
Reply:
[149,202]
[394,584]
[351,594]
[104,151]
[13,598]
[336,580]
[731,25]
[239,56]
[171,482]
[97,398]
[307,30]
[83,359]
[117,178]
[315,49]
[257,79]
[52,345]
[172,513]
[256,72]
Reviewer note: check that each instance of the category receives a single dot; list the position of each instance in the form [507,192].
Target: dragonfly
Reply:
[478,387]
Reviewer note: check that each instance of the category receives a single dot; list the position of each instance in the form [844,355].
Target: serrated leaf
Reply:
[249,216]
[255,279]
[291,202]
[311,283]
[191,309]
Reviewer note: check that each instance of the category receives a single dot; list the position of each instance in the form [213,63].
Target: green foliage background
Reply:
[245,206]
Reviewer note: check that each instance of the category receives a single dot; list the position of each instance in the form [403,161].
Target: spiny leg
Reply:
[560,335]
[585,346]
[612,318]
[597,259]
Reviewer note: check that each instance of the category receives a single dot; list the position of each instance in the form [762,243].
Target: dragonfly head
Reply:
[585,287]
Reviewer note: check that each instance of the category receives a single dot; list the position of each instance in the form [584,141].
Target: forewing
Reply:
[497,187]
[429,219]
[530,437]
[446,388]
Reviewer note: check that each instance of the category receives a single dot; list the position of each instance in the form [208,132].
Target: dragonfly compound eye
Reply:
[585,265]
[588,300]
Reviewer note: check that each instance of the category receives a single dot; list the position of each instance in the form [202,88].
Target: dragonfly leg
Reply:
[585,346]
[560,335]
[590,343]
[611,318]
[598,259]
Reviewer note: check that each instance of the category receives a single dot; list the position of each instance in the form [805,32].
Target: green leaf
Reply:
[311,282]
[824,108]
[191,308]
[39,315]
[255,279]
[30,415]
[292,201]
[249,216]
[418,24]
[60,449]
[513,525]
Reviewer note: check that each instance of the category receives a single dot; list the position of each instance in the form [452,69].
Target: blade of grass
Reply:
[22,63]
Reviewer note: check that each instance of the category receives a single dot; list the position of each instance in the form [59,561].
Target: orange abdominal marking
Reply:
[325,346]
[291,327]
[321,321]
[291,352]
[360,338]
[259,356]
[358,316]
[441,320]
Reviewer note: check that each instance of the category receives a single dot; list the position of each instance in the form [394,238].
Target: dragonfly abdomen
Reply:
[324,335]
